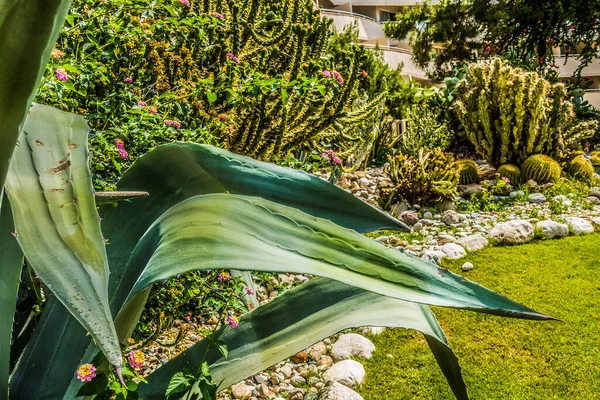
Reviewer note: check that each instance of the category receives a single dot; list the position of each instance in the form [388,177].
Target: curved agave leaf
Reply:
[58,228]
[225,231]
[28,30]
[11,262]
[184,170]
[296,320]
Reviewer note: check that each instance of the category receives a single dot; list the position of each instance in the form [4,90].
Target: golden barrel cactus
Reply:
[541,168]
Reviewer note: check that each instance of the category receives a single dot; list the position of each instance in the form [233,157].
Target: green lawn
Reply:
[505,358]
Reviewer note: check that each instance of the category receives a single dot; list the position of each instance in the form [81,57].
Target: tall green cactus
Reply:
[510,114]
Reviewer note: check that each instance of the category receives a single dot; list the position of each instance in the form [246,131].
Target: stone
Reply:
[409,217]
[512,232]
[450,217]
[417,227]
[560,198]
[347,372]
[325,360]
[398,208]
[595,193]
[276,378]
[337,391]
[536,198]
[260,379]
[351,345]
[317,350]
[549,229]
[382,239]
[286,370]
[427,215]
[579,226]
[433,256]
[473,242]
[445,205]
[453,251]
[300,357]
[297,380]
[467,266]
[241,391]
[466,191]
[592,200]
[531,184]
[264,391]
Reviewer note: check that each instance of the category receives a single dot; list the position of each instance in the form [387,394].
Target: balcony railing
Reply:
[348,14]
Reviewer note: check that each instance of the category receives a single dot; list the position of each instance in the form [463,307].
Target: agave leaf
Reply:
[58,228]
[184,170]
[296,320]
[11,262]
[225,231]
[28,30]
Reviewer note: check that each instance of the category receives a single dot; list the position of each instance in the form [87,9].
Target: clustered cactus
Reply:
[510,115]
[431,177]
[467,171]
[541,168]
[511,172]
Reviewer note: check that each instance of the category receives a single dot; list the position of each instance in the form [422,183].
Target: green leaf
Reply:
[58,228]
[28,30]
[178,171]
[180,382]
[297,319]
[284,97]
[221,231]
[211,97]
[11,263]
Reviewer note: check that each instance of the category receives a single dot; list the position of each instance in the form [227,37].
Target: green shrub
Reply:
[510,171]
[510,115]
[467,171]
[423,131]
[580,168]
[541,168]
[426,179]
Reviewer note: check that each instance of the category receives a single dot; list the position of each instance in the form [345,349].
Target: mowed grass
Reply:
[504,358]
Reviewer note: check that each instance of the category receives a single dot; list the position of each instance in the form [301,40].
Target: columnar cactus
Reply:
[467,171]
[510,171]
[541,168]
[510,115]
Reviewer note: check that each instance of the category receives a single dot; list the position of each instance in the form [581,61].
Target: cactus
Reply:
[510,171]
[595,160]
[580,168]
[541,168]
[426,179]
[467,171]
[510,115]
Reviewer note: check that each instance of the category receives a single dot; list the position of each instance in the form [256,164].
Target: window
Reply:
[386,16]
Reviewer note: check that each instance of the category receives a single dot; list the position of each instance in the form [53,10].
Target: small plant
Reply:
[423,131]
[426,179]
[467,170]
[541,168]
[510,171]
[580,168]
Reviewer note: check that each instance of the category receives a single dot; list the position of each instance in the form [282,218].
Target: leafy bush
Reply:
[510,115]
[428,178]
[423,131]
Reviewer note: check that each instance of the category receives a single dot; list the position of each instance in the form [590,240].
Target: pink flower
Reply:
[505,179]
[249,291]
[62,75]
[152,110]
[326,74]
[216,15]
[119,143]
[128,80]
[57,54]
[223,117]
[185,2]
[170,122]
[121,147]
[224,276]
[86,372]
[141,103]
[123,153]
[136,359]
[364,73]
[337,76]
[232,57]
[331,157]
[233,321]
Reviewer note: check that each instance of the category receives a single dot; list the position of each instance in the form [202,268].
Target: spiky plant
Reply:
[541,168]
[426,179]
[510,115]
[510,171]
[467,171]
[580,168]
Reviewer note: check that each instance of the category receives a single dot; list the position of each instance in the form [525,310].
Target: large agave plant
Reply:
[206,208]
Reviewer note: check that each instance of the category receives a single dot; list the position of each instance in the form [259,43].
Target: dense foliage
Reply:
[454,31]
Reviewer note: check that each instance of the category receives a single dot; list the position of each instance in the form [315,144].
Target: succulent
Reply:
[541,168]
[595,160]
[467,171]
[510,114]
[580,168]
[426,179]
[510,171]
